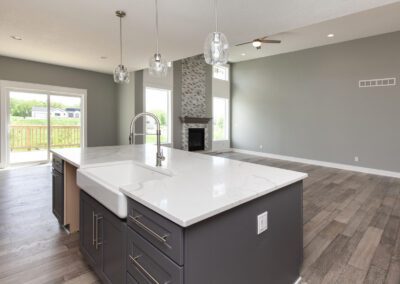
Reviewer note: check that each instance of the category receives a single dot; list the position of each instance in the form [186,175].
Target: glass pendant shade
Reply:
[216,49]
[121,74]
[158,67]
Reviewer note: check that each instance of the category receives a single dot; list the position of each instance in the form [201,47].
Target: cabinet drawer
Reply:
[148,263]
[130,279]
[161,232]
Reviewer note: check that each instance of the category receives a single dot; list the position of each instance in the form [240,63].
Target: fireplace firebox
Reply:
[196,139]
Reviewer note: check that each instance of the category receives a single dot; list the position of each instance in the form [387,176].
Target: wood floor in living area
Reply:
[351,228]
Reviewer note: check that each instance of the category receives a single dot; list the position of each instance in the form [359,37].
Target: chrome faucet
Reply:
[159,156]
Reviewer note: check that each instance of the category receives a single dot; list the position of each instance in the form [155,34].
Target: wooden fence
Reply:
[28,137]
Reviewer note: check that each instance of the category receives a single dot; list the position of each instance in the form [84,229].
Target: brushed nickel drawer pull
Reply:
[97,231]
[162,239]
[93,229]
[138,265]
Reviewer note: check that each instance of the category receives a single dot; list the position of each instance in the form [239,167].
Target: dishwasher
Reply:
[58,189]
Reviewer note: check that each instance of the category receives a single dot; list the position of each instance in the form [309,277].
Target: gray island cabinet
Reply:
[223,249]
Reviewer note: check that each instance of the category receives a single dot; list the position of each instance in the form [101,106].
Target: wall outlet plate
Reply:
[262,222]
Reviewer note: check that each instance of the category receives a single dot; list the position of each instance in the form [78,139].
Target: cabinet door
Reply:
[58,196]
[89,230]
[113,242]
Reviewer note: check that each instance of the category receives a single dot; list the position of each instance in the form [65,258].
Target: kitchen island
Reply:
[196,219]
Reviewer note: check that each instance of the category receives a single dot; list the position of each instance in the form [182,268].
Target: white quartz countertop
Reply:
[199,186]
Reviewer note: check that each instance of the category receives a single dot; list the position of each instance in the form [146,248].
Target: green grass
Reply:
[152,139]
[17,120]
[219,133]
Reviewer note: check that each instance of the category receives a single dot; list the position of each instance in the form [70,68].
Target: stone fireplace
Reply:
[194,100]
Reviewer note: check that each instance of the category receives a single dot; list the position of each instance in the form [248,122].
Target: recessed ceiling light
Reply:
[330,35]
[243,54]
[103,57]
[15,37]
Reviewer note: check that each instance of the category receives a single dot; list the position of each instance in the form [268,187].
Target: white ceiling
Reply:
[363,24]
[77,33]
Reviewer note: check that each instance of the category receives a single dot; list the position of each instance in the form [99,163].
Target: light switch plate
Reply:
[262,222]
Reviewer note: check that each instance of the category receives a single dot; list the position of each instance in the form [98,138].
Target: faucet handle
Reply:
[162,157]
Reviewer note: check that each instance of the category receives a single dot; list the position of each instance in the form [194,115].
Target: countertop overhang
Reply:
[200,186]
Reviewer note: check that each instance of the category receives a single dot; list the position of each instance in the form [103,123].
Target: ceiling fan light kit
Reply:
[216,46]
[257,43]
[121,73]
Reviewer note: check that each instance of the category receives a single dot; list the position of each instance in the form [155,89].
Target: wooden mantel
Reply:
[189,119]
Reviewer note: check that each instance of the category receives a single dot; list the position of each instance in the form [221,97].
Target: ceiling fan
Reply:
[259,41]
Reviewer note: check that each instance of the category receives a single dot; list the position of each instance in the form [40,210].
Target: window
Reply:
[220,118]
[158,101]
[221,73]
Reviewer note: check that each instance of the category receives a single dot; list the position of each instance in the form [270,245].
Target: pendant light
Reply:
[216,46]
[157,65]
[121,73]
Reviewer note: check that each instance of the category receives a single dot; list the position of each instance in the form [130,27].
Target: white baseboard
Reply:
[321,163]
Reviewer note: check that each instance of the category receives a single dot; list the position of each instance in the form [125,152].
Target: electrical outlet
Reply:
[262,222]
[261,146]
[356,159]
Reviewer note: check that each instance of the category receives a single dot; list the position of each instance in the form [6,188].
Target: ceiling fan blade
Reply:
[244,43]
[270,41]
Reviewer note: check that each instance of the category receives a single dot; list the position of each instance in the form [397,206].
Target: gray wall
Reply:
[126,108]
[177,104]
[101,93]
[139,104]
[307,104]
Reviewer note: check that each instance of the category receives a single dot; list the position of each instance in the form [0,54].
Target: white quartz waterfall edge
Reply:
[321,163]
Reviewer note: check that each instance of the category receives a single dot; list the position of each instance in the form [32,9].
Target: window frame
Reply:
[169,108]
[227,122]
[216,67]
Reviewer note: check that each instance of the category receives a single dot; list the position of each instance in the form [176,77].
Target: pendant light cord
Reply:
[216,14]
[156,2]
[120,38]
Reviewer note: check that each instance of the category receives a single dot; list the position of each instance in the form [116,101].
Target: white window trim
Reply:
[171,126]
[227,128]
[7,86]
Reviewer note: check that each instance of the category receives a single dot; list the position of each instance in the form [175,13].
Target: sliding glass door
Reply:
[65,121]
[39,121]
[28,127]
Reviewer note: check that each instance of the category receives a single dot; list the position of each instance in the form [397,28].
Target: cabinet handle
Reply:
[97,231]
[142,269]
[93,228]
[162,239]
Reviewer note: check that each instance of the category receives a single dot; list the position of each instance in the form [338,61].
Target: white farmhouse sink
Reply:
[103,181]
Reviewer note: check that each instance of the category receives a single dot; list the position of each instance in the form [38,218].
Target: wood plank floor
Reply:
[351,224]
[33,248]
[351,228]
